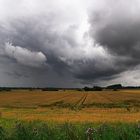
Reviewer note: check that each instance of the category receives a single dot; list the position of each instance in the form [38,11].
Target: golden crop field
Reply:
[74,106]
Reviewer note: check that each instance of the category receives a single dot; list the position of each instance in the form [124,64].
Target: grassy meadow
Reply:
[69,115]
[37,130]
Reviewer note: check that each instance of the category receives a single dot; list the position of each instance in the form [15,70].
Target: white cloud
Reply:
[25,56]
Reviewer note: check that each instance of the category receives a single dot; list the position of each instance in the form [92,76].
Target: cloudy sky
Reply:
[69,43]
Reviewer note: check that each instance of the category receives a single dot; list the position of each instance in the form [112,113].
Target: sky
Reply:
[69,43]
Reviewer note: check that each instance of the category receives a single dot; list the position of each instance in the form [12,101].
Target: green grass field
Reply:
[37,130]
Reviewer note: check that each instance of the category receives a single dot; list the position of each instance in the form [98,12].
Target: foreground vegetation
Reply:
[19,130]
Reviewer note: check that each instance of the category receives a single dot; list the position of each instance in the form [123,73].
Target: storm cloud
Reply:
[118,28]
[69,43]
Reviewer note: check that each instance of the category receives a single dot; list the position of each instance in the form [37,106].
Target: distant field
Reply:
[75,106]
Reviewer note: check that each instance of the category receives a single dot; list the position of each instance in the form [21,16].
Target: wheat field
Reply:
[71,105]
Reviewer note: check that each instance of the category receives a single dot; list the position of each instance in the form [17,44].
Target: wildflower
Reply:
[35,131]
[89,133]
[18,125]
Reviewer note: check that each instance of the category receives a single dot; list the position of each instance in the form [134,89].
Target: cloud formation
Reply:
[117,27]
[69,43]
[25,56]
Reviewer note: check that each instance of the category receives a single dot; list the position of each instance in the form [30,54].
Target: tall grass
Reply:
[42,131]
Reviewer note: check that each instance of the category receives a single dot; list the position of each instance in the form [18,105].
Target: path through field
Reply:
[61,106]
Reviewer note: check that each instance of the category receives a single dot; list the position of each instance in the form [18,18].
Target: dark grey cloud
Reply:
[33,45]
[92,42]
[117,28]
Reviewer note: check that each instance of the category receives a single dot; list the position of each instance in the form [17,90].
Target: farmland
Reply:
[71,105]
[70,115]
